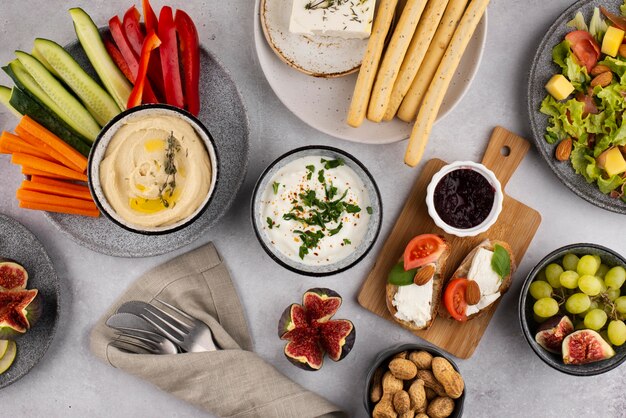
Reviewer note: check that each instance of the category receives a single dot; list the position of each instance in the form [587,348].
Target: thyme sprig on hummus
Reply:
[169,167]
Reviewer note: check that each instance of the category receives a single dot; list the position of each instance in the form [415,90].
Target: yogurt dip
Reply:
[315,211]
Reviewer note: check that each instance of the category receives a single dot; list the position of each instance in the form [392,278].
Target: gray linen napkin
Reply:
[232,382]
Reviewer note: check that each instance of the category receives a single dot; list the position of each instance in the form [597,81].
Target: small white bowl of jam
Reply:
[464,198]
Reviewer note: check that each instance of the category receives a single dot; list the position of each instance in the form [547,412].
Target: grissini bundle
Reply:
[439,86]
[428,67]
[415,54]
[394,55]
[371,60]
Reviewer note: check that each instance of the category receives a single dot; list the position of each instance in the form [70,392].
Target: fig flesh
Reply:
[312,333]
[552,333]
[12,275]
[585,346]
[19,310]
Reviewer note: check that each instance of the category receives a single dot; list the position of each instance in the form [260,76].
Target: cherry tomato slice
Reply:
[585,48]
[422,250]
[454,299]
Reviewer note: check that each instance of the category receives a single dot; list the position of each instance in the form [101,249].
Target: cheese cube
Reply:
[612,40]
[612,161]
[559,87]
[338,18]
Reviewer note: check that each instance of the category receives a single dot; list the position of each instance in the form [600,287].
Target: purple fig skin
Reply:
[285,320]
[320,292]
[546,338]
[304,365]
[595,348]
[349,344]
[323,291]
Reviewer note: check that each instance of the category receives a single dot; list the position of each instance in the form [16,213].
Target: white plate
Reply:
[322,103]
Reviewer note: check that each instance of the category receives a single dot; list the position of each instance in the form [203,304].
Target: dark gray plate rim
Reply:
[269,251]
[24,364]
[182,239]
[538,121]
[545,356]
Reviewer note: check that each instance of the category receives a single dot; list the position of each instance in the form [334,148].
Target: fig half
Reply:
[19,310]
[585,346]
[12,275]
[552,333]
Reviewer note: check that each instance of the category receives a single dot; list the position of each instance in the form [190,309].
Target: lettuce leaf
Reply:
[564,58]
[617,66]
[578,22]
[597,26]
[606,186]
[623,8]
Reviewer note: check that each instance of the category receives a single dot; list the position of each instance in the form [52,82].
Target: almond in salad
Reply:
[564,149]
[599,69]
[602,80]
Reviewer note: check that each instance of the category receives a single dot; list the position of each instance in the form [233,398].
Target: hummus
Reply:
[156,171]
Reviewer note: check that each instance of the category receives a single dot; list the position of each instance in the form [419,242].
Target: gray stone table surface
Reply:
[504,378]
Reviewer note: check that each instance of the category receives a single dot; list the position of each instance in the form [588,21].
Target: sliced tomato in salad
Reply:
[585,48]
[454,299]
[616,20]
[422,250]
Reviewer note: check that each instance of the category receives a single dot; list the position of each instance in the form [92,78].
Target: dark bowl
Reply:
[386,355]
[102,142]
[529,326]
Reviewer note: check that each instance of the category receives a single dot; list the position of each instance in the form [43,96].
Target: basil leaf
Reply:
[501,261]
[399,276]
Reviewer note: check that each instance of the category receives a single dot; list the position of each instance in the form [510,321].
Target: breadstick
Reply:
[369,66]
[449,22]
[388,71]
[438,87]
[415,54]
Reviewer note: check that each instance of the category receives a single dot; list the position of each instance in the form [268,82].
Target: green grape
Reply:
[546,307]
[570,261]
[598,259]
[587,265]
[590,285]
[620,304]
[553,272]
[569,279]
[603,285]
[541,276]
[615,277]
[539,319]
[617,332]
[602,270]
[612,294]
[595,319]
[579,325]
[539,289]
[577,303]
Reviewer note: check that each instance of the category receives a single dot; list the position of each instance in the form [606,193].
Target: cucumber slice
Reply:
[99,103]
[5,99]
[89,37]
[29,106]
[74,113]
[35,53]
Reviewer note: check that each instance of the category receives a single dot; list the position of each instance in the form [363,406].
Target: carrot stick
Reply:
[10,144]
[51,182]
[37,197]
[37,143]
[59,209]
[57,190]
[41,164]
[54,141]
[28,171]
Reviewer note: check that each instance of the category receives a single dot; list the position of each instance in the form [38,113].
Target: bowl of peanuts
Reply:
[414,381]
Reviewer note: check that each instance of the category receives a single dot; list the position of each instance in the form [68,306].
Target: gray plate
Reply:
[19,244]
[542,69]
[224,115]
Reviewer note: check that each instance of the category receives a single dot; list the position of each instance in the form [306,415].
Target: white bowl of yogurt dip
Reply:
[316,211]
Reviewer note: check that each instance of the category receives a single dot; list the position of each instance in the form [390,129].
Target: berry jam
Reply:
[464,198]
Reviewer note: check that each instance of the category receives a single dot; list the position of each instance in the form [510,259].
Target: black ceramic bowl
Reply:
[102,142]
[385,356]
[529,326]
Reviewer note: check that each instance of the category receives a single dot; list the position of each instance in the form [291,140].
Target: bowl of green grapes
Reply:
[572,309]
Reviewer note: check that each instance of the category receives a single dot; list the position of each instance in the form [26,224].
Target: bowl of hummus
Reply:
[153,169]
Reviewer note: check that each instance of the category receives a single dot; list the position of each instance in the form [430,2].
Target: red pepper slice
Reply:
[169,58]
[115,25]
[189,45]
[149,17]
[118,59]
[132,30]
[150,43]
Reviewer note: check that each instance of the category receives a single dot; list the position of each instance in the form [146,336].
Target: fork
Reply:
[189,333]
[140,344]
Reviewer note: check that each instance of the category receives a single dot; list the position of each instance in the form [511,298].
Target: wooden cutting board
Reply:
[516,225]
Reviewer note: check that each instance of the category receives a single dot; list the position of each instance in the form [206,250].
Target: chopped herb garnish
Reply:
[309,240]
[336,230]
[270,223]
[275,187]
[329,164]
[347,241]
[311,170]
[169,185]
[369,210]
[352,208]
[320,176]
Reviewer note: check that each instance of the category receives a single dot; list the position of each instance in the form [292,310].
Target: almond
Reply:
[622,51]
[472,293]
[424,275]
[599,69]
[564,149]
[602,80]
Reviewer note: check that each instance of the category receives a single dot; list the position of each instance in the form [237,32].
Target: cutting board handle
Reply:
[505,152]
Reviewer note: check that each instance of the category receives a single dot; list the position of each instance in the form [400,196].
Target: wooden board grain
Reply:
[516,225]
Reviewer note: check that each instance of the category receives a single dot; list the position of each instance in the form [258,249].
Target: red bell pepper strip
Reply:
[135,37]
[118,59]
[150,43]
[149,17]
[115,25]
[189,45]
[169,58]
